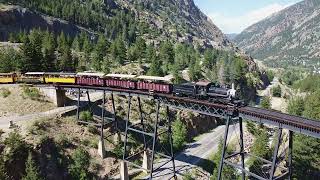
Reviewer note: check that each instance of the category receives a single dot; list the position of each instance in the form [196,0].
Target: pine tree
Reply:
[150,52]
[27,54]
[132,54]
[48,47]
[62,42]
[166,55]
[179,134]
[121,51]
[87,48]
[3,172]
[36,45]
[228,172]
[76,44]
[155,67]
[81,161]
[65,60]
[32,172]
[99,53]
[141,48]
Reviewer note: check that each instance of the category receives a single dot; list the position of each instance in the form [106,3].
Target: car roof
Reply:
[203,83]
[61,73]
[34,73]
[155,78]
[91,74]
[6,74]
[126,76]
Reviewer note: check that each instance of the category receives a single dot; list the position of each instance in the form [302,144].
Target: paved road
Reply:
[196,151]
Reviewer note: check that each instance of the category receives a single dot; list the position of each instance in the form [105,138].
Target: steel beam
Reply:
[290,155]
[244,170]
[126,131]
[275,154]
[78,106]
[114,112]
[243,175]
[155,136]
[102,112]
[142,123]
[171,141]
[224,148]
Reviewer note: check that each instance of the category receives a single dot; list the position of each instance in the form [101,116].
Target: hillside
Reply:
[162,37]
[289,37]
[155,20]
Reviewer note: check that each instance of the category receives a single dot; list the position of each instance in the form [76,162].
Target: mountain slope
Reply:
[177,20]
[291,35]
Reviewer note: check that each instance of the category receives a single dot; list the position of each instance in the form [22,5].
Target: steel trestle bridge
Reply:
[231,114]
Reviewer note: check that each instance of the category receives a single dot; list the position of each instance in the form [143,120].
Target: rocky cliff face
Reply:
[15,18]
[290,35]
[180,19]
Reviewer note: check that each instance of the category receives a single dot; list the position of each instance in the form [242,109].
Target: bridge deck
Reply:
[271,117]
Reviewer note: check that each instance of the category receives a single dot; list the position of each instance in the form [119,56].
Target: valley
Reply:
[166,51]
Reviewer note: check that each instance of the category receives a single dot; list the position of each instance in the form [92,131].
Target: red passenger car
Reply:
[154,84]
[120,81]
[90,79]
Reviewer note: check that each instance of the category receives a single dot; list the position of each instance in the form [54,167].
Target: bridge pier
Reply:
[124,171]
[57,95]
[146,161]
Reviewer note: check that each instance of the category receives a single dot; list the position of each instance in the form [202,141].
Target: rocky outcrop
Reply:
[13,19]
[290,35]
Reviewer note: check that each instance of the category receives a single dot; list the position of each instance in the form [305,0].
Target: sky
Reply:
[233,16]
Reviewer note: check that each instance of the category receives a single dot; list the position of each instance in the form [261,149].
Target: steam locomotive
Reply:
[200,90]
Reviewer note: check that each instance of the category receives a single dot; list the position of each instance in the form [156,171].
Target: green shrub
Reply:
[276,91]
[93,143]
[39,126]
[62,140]
[92,129]
[118,150]
[4,92]
[86,116]
[16,153]
[32,171]
[79,167]
[188,176]
[270,75]
[265,102]
[32,93]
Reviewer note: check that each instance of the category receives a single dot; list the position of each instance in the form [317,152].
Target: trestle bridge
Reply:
[278,120]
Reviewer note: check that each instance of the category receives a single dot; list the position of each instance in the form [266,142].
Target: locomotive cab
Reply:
[203,88]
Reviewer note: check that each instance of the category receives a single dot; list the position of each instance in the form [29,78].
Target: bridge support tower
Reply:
[274,164]
[150,136]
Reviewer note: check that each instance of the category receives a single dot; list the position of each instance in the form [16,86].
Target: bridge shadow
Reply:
[184,164]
